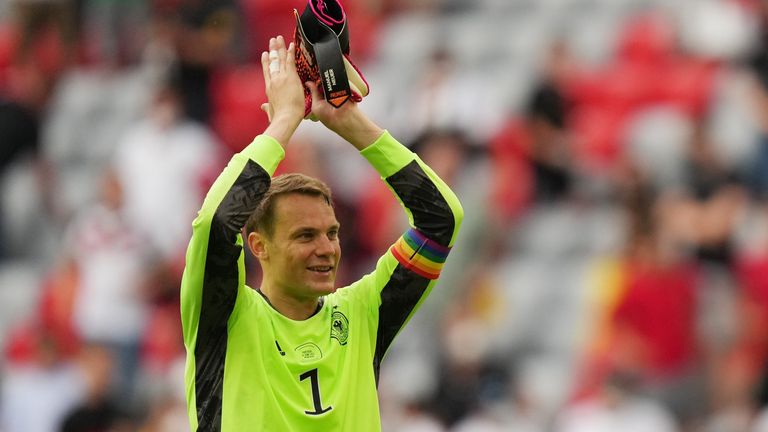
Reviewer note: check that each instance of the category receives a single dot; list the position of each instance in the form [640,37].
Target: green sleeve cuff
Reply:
[266,151]
[387,155]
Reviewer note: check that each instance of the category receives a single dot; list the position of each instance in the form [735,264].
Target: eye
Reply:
[305,235]
[333,234]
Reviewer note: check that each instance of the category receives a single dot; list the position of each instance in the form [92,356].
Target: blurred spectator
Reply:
[21,110]
[618,406]
[531,157]
[161,167]
[656,320]
[549,155]
[759,65]
[469,374]
[19,134]
[548,115]
[758,181]
[112,262]
[716,196]
[731,388]
[510,409]
[649,305]
[114,30]
[168,407]
[416,419]
[40,389]
[203,42]
[459,389]
[98,411]
[656,336]
[608,279]
[46,22]
[164,163]
[753,336]
[447,96]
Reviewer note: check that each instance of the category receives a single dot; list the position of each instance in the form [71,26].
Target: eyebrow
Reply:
[303,229]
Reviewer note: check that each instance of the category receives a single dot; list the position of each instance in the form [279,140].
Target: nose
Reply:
[324,246]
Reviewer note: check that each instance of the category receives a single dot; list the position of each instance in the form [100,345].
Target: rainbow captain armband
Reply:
[417,253]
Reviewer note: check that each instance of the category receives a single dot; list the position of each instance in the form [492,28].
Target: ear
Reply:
[257,243]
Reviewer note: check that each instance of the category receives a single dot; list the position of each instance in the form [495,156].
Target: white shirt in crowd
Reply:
[162,171]
[632,414]
[111,260]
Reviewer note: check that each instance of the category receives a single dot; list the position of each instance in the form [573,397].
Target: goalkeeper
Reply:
[298,354]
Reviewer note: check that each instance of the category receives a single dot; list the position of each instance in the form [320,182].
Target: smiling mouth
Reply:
[320,269]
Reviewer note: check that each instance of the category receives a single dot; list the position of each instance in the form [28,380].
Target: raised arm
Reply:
[405,274]
[214,263]
[433,209]
[214,271]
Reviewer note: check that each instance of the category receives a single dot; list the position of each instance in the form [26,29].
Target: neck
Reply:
[294,308]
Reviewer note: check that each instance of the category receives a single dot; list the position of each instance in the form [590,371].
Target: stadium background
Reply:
[611,157]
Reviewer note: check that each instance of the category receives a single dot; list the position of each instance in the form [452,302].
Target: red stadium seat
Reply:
[162,341]
[513,186]
[623,85]
[646,38]
[237,95]
[597,135]
[687,84]
[266,18]
[647,71]
[9,38]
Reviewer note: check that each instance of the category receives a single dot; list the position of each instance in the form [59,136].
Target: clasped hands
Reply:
[285,92]
[285,106]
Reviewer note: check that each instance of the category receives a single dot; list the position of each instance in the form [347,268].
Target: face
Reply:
[303,254]
[165,109]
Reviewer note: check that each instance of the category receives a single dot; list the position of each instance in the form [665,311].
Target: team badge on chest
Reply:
[339,327]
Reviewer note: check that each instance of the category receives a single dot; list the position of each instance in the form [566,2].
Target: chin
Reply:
[325,290]
[321,286]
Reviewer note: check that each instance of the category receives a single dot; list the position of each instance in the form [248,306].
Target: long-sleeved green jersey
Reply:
[249,368]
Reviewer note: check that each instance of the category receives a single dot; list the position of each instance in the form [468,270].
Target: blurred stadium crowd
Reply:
[611,157]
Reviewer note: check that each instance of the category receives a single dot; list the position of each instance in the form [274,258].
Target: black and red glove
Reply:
[322,54]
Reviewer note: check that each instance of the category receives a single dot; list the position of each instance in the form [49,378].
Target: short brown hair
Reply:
[263,218]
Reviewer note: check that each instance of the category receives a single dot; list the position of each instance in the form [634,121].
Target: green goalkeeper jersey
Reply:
[249,368]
